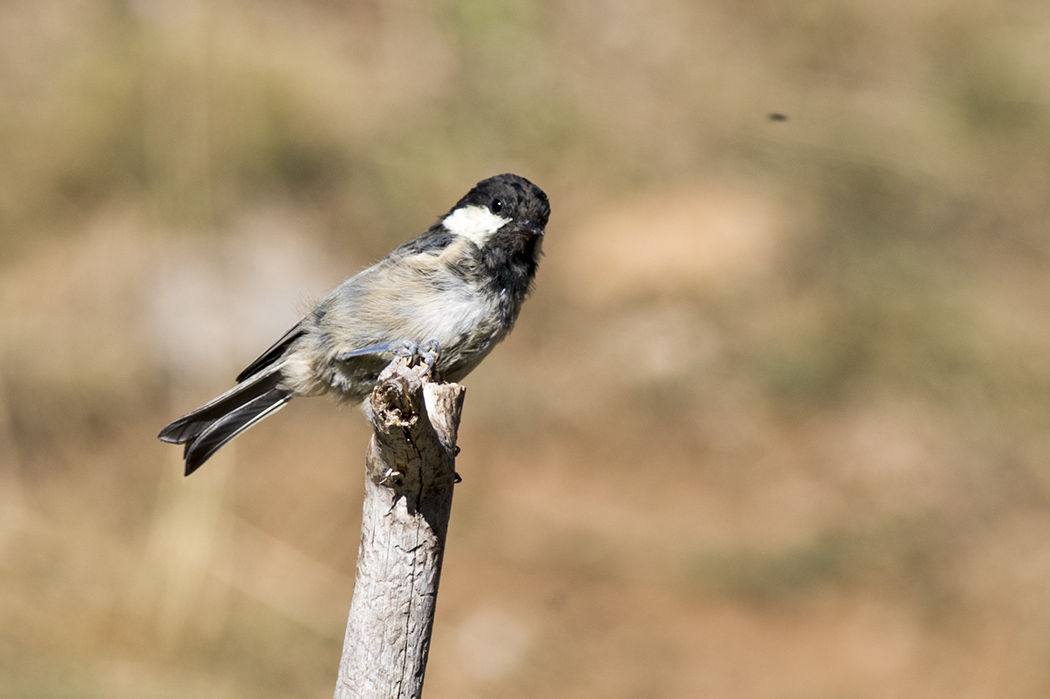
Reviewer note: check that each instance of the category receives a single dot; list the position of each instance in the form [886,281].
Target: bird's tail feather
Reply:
[215,423]
[232,424]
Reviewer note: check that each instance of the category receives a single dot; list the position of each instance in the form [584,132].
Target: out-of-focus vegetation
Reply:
[776,422]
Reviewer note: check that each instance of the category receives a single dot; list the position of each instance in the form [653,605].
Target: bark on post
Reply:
[409,476]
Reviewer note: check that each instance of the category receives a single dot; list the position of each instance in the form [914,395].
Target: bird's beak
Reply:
[531,227]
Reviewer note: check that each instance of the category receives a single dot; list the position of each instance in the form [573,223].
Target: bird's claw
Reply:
[428,352]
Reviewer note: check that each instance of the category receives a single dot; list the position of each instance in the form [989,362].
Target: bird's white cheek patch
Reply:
[475,223]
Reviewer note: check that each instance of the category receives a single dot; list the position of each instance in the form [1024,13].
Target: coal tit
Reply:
[450,295]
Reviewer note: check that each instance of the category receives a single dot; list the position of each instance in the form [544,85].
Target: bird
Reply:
[448,296]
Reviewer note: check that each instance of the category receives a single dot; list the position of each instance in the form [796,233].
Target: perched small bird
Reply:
[449,296]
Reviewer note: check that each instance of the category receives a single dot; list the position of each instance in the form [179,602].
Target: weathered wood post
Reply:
[409,476]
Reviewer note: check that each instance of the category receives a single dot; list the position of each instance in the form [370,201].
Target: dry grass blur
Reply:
[774,425]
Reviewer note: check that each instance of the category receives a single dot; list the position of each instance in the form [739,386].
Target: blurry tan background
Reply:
[774,424]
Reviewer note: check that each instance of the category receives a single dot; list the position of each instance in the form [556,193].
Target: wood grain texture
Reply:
[409,476]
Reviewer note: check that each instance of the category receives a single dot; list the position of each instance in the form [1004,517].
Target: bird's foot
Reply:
[431,352]
[428,353]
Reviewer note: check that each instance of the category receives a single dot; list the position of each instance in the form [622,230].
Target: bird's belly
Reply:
[451,320]
[465,330]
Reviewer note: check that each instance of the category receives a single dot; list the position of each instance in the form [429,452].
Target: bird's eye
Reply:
[496,206]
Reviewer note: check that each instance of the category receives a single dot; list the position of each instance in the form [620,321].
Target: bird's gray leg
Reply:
[401,348]
[428,352]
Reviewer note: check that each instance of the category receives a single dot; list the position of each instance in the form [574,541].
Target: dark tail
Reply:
[213,424]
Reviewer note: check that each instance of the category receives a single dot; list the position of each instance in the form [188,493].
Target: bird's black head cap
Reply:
[510,196]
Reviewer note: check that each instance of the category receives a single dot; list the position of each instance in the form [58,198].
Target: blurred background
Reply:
[774,423]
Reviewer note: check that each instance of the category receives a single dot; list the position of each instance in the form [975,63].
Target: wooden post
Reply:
[409,476]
